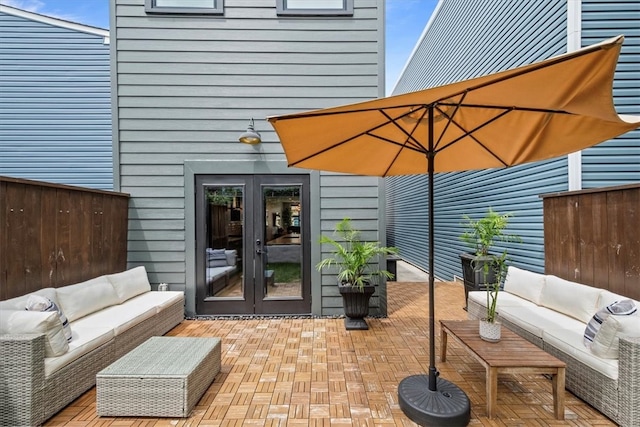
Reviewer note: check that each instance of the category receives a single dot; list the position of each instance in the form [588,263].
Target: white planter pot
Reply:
[490,331]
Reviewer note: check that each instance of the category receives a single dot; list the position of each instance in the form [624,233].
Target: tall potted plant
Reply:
[356,262]
[480,236]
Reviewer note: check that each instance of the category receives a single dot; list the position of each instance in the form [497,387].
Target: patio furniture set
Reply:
[553,314]
[41,371]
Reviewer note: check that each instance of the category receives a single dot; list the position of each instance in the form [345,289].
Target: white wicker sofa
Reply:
[553,314]
[41,372]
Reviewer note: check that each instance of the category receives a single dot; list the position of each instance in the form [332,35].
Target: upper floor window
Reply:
[210,7]
[315,7]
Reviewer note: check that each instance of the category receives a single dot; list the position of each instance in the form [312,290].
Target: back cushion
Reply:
[570,298]
[525,284]
[36,322]
[84,298]
[19,303]
[130,283]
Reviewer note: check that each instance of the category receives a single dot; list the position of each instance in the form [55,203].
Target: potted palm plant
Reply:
[356,262]
[480,236]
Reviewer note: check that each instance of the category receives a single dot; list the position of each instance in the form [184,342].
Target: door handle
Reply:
[258,247]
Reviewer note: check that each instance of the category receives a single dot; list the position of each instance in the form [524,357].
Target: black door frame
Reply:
[253,300]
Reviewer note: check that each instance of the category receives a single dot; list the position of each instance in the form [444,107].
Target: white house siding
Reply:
[467,39]
[186,87]
[55,103]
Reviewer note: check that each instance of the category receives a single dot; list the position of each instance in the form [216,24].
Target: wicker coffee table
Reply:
[162,377]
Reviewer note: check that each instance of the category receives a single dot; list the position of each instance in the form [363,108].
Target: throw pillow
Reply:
[216,254]
[36,322]
[40,303]
[618,308]
[607,341]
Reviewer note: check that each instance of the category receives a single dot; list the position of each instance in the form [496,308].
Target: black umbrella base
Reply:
[447,406]
[355,324]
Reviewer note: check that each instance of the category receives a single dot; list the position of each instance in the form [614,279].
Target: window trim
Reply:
[150,7]
[282,10]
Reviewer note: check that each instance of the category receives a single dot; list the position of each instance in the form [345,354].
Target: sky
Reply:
[405,20]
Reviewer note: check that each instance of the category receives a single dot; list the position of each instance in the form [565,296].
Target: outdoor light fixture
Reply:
[250,136]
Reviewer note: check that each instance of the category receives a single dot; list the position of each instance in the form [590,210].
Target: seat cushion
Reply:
[87,336]
[569,341]
[159,300]
[537,319]
[119,317]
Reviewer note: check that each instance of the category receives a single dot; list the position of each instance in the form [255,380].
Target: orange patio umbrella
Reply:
[531,113]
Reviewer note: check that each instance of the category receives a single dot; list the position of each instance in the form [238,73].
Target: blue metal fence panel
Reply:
[55,103]
[464,42]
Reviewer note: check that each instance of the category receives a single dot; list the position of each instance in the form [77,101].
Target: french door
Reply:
[252,244]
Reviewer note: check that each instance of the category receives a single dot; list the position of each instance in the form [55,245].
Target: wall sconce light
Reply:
[250,136]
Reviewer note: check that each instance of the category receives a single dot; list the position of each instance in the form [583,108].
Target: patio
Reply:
[311,372]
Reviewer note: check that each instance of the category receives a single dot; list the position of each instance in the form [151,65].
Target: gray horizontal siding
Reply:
[464,42]
[186,88]
[55,104]
[615,162]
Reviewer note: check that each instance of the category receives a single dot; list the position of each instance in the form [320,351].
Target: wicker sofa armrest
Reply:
[21,379]
[629,381]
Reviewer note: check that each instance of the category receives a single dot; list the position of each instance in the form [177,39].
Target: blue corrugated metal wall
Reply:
[469,39]
[55,104]
[615,162]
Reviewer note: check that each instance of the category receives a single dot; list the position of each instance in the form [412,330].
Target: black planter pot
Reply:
[473,273]
[356,305]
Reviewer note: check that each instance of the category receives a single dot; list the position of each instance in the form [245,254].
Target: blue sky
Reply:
[405,20]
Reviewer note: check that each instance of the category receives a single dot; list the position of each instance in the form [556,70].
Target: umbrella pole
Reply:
[429,399]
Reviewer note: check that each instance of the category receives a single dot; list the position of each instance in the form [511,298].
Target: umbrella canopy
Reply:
[535,112]
[526,114]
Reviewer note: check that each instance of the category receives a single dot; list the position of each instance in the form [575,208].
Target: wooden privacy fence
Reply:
[53,235]
[593,237]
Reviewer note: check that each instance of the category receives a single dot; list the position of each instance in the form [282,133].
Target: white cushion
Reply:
[607,339]
[130,283]
[40,303]
[19,303]
[607,298]
[86,337]
[17,322]
[87,297]
[119,317]
[524,283]
[570,342]
[505,299]
[573,299]
[159,300]
[536,320]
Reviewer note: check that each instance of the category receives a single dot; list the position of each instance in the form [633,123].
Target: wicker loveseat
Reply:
[41,371]
[553,314]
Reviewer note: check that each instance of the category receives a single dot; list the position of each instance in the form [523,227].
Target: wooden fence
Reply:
[593,237]
[53,235]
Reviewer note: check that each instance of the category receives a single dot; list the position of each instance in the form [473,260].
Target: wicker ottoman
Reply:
[162,377]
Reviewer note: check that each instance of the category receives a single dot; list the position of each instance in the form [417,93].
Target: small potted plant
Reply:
[480,236]
[356,262]
[490,327]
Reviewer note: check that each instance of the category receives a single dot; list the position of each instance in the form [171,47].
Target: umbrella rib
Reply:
[367,132]
[470,134]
